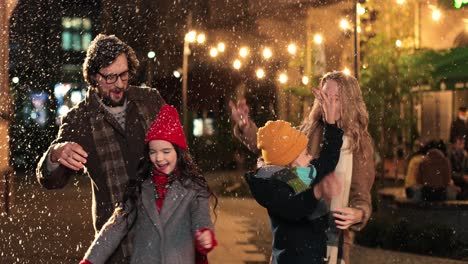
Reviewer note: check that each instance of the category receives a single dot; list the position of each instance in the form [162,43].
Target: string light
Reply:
[237,64]
[213,52]
[398,43]
[436,14]
[201,38]
[292,49]
[267,53]
[243,52]
[190,37]
[318,39]
[283,78]
[221,47]
[344,24]
[260,73]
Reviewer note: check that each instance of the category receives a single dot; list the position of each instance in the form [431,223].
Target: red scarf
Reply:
[160,181]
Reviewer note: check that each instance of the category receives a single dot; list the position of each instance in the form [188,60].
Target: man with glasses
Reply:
[103,136]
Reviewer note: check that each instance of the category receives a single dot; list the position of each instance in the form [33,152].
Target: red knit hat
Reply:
[167,127]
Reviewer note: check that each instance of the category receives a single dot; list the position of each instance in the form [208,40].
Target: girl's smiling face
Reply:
[163,156]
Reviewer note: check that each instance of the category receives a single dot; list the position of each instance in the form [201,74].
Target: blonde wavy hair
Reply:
[354,117]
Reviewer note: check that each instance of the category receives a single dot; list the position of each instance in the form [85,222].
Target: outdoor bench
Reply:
[453,214]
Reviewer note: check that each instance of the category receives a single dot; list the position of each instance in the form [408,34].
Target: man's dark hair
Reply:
[462,109]
[102,52]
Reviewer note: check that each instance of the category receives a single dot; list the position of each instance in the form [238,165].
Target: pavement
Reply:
[47,226]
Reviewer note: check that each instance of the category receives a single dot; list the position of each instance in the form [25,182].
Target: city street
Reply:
[55,227]
[97,78]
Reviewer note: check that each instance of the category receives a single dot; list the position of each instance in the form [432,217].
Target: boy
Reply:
[290,186]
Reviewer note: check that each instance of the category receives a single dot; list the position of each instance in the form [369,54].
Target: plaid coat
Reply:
[113,152]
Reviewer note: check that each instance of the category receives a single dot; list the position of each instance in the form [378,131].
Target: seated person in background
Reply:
[413,168]
[459,161]
[459,127]
[433,182]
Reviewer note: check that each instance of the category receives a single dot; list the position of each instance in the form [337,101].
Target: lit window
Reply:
[86,40]
[198,127]
[208,128]
[203,126]
[66,40]
[86,24]
[76,33]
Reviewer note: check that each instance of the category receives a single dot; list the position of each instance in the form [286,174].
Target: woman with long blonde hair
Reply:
[353,121]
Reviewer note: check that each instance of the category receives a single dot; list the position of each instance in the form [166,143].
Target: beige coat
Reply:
[362,177]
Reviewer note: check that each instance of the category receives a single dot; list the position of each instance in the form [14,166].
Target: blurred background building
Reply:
[271,52]
[48,41]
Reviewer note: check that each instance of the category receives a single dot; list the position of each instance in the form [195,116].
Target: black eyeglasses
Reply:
[112,78]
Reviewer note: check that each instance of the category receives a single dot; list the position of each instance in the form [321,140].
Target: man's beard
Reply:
[107,100]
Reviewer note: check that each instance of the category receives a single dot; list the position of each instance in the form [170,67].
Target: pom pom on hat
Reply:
[167,127]
[280,143]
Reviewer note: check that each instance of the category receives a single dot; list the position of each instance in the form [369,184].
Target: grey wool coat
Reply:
[167,237]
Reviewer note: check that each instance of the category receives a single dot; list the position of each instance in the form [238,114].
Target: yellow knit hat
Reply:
[280,143]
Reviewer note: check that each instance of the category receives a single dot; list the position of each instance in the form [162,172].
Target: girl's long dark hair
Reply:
[187,172]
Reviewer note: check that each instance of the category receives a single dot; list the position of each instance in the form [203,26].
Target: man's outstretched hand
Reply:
[69,154]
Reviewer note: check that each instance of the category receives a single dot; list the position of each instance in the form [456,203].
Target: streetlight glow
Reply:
[305,80]
[201,38]
[283,78]
[243,52]
[398,43]
[221,47]
[292,49]
[344,24]
[237,64]
[347,71]
[436,14]
[267,53]
[360,10]
[15,79]
[400,2]
[318,39]
[176,74]
[213,52]
[260,73]
[191,36]
[151,54]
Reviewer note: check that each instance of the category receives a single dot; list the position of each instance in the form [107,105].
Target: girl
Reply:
[166,209]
